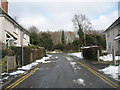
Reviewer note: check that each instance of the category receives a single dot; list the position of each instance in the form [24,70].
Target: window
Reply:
[24,36]
[16,29]
[109,46]
[107,34]
[113,32]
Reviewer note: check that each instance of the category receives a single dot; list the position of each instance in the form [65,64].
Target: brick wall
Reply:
[4,5]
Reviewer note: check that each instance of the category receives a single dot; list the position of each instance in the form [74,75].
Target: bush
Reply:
[4,53]
[10,52]
[90,53]
[3,64]
[59,47]
[32,46]
[30,53]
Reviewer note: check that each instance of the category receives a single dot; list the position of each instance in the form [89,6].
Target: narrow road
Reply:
[64,72]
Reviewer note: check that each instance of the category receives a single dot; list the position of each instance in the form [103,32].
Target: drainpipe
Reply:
[22,46]
[113,55]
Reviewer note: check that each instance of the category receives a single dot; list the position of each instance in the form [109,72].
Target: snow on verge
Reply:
[43,60]
[109,57]
[55,52]
[112,71]
[79,81]
[28,67]
[79,54]
[17,72]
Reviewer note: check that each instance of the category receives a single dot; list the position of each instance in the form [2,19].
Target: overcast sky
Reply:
[57,14]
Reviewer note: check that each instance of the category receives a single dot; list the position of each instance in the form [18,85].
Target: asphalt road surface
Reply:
[64,72]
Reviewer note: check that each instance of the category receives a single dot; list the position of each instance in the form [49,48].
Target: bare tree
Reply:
[81,24]
[15,18]
[33,29]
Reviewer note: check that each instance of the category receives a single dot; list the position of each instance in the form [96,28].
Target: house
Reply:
[12,33]
[113,37]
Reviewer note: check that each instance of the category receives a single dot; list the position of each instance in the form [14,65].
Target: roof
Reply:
[117,22]
[4,14]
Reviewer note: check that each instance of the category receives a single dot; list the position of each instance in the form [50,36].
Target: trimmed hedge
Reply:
[30,54]
[91,53]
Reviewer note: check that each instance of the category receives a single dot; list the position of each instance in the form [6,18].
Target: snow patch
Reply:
[69,59]
[55,52]
[48,55]
[112,71]
[5,78]
[72,63]
[43,60]
[34,63]
[79,81]
[78,67]
[17,72]
[27,67]
[56,57]
[4,73]
[109,57]
[79,54]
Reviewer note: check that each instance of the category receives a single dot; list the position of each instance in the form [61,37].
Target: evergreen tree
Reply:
[63,38]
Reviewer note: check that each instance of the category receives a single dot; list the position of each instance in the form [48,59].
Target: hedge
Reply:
[29,54]
[91,53]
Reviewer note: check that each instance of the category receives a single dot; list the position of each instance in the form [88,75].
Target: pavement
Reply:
[65,72]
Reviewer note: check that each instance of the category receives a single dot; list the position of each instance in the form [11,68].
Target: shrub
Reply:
[4,53]
[3,64]
[10,52]
[32,46]
[17,50]
[30,53]
[59,47]
[90,53]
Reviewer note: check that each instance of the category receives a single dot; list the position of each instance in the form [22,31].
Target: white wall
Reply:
[14,30]
[1,29]
[0,3]
[110,39]
[2,32]
[26,40]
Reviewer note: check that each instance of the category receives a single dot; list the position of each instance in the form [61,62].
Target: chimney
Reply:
[4,5]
